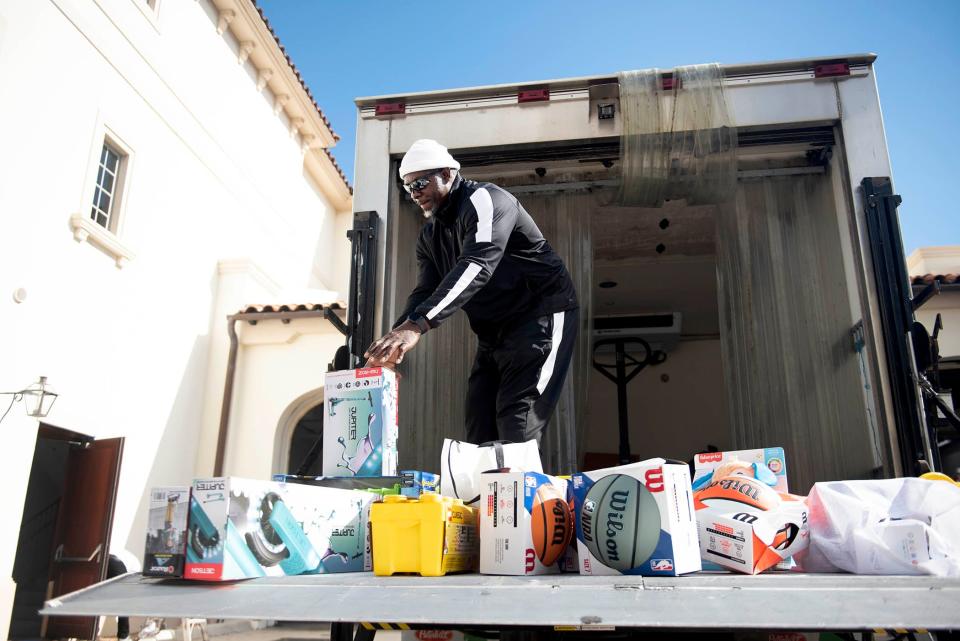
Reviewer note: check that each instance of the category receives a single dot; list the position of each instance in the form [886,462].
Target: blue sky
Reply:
[348,49]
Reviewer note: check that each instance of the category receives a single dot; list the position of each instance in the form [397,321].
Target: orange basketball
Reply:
[736,493]
[551,524]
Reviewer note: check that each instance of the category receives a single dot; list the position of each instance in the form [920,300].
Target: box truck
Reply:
[733,234]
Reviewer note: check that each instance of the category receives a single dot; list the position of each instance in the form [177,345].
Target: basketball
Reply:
[736,493]
[620,522]
[551,524]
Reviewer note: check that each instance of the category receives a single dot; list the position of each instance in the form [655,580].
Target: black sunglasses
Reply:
[420,183]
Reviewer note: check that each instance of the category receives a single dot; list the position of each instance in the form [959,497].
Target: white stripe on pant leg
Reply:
[465,279]
[548,364]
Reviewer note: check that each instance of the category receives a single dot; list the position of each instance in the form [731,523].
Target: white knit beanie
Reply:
[426,154]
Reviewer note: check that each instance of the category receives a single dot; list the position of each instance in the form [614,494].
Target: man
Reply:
[480,251]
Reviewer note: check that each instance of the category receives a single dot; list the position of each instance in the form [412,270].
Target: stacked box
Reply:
[360,426]
[751,541]
[707,462]
[409,483]
[772,457]
[166,547]
[240,528]
[526,523]
[636,519]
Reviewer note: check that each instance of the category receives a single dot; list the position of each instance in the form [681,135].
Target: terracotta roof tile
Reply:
[927,279]
[296,72]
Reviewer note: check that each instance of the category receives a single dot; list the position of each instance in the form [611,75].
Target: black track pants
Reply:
[517,378]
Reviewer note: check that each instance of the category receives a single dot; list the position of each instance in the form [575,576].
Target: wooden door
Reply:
[82,539]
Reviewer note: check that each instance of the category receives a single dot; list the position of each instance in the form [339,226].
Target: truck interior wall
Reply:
[794,376]
[675,409]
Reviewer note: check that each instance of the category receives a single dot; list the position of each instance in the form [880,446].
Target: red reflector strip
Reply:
[831,70]
[391,108]
[533,95]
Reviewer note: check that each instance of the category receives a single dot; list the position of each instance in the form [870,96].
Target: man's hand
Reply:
[396,343]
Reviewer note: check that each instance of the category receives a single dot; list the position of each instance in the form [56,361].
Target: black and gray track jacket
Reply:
[483,252]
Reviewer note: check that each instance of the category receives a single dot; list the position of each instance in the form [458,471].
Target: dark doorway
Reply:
[65,528]
[31,567]
[306,446]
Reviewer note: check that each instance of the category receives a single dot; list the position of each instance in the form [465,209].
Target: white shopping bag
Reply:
[461,465]
[894,526]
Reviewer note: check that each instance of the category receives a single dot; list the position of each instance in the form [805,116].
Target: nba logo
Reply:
[661,565]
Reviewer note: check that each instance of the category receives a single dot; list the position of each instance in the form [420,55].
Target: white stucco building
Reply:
[942,263]
[165,167]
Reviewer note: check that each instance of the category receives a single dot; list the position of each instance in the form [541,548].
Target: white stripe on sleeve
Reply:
[484,205]
[547,371]
[465,279]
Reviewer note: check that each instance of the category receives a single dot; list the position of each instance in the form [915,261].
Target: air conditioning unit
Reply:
[661,331]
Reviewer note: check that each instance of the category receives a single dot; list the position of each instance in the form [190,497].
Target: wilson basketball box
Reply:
[636,519]
[526,523]
[241,528]
[360,425]
[166,531]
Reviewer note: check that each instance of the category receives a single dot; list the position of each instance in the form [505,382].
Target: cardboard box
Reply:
[753,541]
[241,528]
[360,426]
[773,457]
[526,523]
[166,548]
[636,519]
[409,483]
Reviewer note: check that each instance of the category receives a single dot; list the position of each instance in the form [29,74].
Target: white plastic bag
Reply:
[894,526]
[462,463]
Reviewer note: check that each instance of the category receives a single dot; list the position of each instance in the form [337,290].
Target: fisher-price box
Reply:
[360,425]
[636,519]
[526,523]
[165,550]
[773,458]
[242,528]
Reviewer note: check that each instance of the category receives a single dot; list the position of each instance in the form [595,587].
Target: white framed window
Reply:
[109,186]
[101,217]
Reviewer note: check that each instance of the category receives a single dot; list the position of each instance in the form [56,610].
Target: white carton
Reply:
[241,528]
[753,541]
[636,519]
[526,523]
[360,425]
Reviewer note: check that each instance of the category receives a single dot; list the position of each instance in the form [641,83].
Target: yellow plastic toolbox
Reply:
[430,536]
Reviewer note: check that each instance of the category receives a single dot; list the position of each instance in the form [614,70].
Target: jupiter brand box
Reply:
[360,425]
[242,528]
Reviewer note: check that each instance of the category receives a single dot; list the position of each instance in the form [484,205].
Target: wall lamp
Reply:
[39,397]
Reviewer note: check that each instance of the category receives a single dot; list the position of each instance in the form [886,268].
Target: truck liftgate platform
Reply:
[705,601]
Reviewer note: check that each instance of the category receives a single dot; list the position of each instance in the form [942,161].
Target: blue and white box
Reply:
[636,519]
[241,528]
[360,423]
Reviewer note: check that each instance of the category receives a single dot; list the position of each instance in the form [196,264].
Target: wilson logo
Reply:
[653,479]
[529,562]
